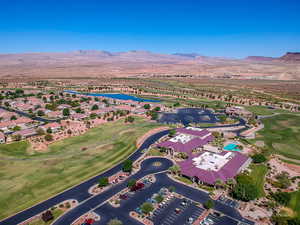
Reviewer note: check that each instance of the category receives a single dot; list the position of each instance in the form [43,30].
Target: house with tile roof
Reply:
[53,126]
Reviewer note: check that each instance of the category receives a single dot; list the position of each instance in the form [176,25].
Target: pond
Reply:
[114,96]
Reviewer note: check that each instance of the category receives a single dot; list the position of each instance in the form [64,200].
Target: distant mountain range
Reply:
[93,63]
[288,57]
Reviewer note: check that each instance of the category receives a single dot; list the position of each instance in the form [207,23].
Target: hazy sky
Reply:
[233,28]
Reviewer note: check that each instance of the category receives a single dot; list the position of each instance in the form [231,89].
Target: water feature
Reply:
[114,96]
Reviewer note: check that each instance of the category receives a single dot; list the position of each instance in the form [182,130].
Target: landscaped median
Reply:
[47,217]
[43,175]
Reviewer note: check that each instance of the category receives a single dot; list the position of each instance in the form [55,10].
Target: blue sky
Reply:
[231,28]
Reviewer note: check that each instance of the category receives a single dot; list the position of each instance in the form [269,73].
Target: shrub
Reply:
[245,188]
[159,198]
[172,133]
[283,198]
[147,106]
[48,137]
[127,166]
[209,204]
[259,158]
[131,183]
[147,207]
[115,222]
[103,181]
[66,112]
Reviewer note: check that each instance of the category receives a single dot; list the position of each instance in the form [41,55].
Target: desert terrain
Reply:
[98,64]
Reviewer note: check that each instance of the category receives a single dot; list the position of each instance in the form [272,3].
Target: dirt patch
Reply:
[260,143]
[293,167]
[148,134]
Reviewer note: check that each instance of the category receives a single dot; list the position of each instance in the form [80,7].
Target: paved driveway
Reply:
[107,212]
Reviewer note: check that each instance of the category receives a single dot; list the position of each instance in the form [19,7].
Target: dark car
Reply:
[177,210]
[137,187]
[123,197]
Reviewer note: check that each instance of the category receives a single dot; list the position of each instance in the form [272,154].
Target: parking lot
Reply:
[186,116]
[215,219]
[176,211]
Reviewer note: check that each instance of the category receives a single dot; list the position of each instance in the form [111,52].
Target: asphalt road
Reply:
[79,192]
[107,212]
[88,202]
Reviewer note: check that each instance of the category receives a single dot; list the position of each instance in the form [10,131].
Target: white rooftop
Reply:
[193,128]
[211,161]
[182,138]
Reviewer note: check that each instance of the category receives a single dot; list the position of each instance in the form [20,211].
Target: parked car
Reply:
[123,197]
[177,210]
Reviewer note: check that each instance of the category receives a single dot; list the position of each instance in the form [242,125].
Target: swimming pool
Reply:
[114,96]
[231,147]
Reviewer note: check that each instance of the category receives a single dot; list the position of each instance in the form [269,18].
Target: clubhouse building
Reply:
[209,167]
[204,166]
[187,139]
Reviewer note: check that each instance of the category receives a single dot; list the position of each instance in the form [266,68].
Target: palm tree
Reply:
[219,183]
[230,183]
[175,169]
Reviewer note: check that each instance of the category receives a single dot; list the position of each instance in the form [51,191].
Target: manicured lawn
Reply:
[155,152]
[14,149]
[263,110]
[258,173]
[290,162]
[281,135]
[294,203]
[26,182]
[184,180]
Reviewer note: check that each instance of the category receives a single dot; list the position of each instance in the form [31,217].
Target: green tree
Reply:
[209,204]
[66,112]
[93,116]
[147,106]
[159,198]
[177,104]
[147,207]
[245,192]
[157,109]
[40,113]
[259,158]
[127,166]
[13,117]
[175,169]
[219,183]
[172,133]
[131,183]
[115,222]
[48,137]
[103,181]
[19,91]
[49,130]
[129,119]
[95,107]
[16,128]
